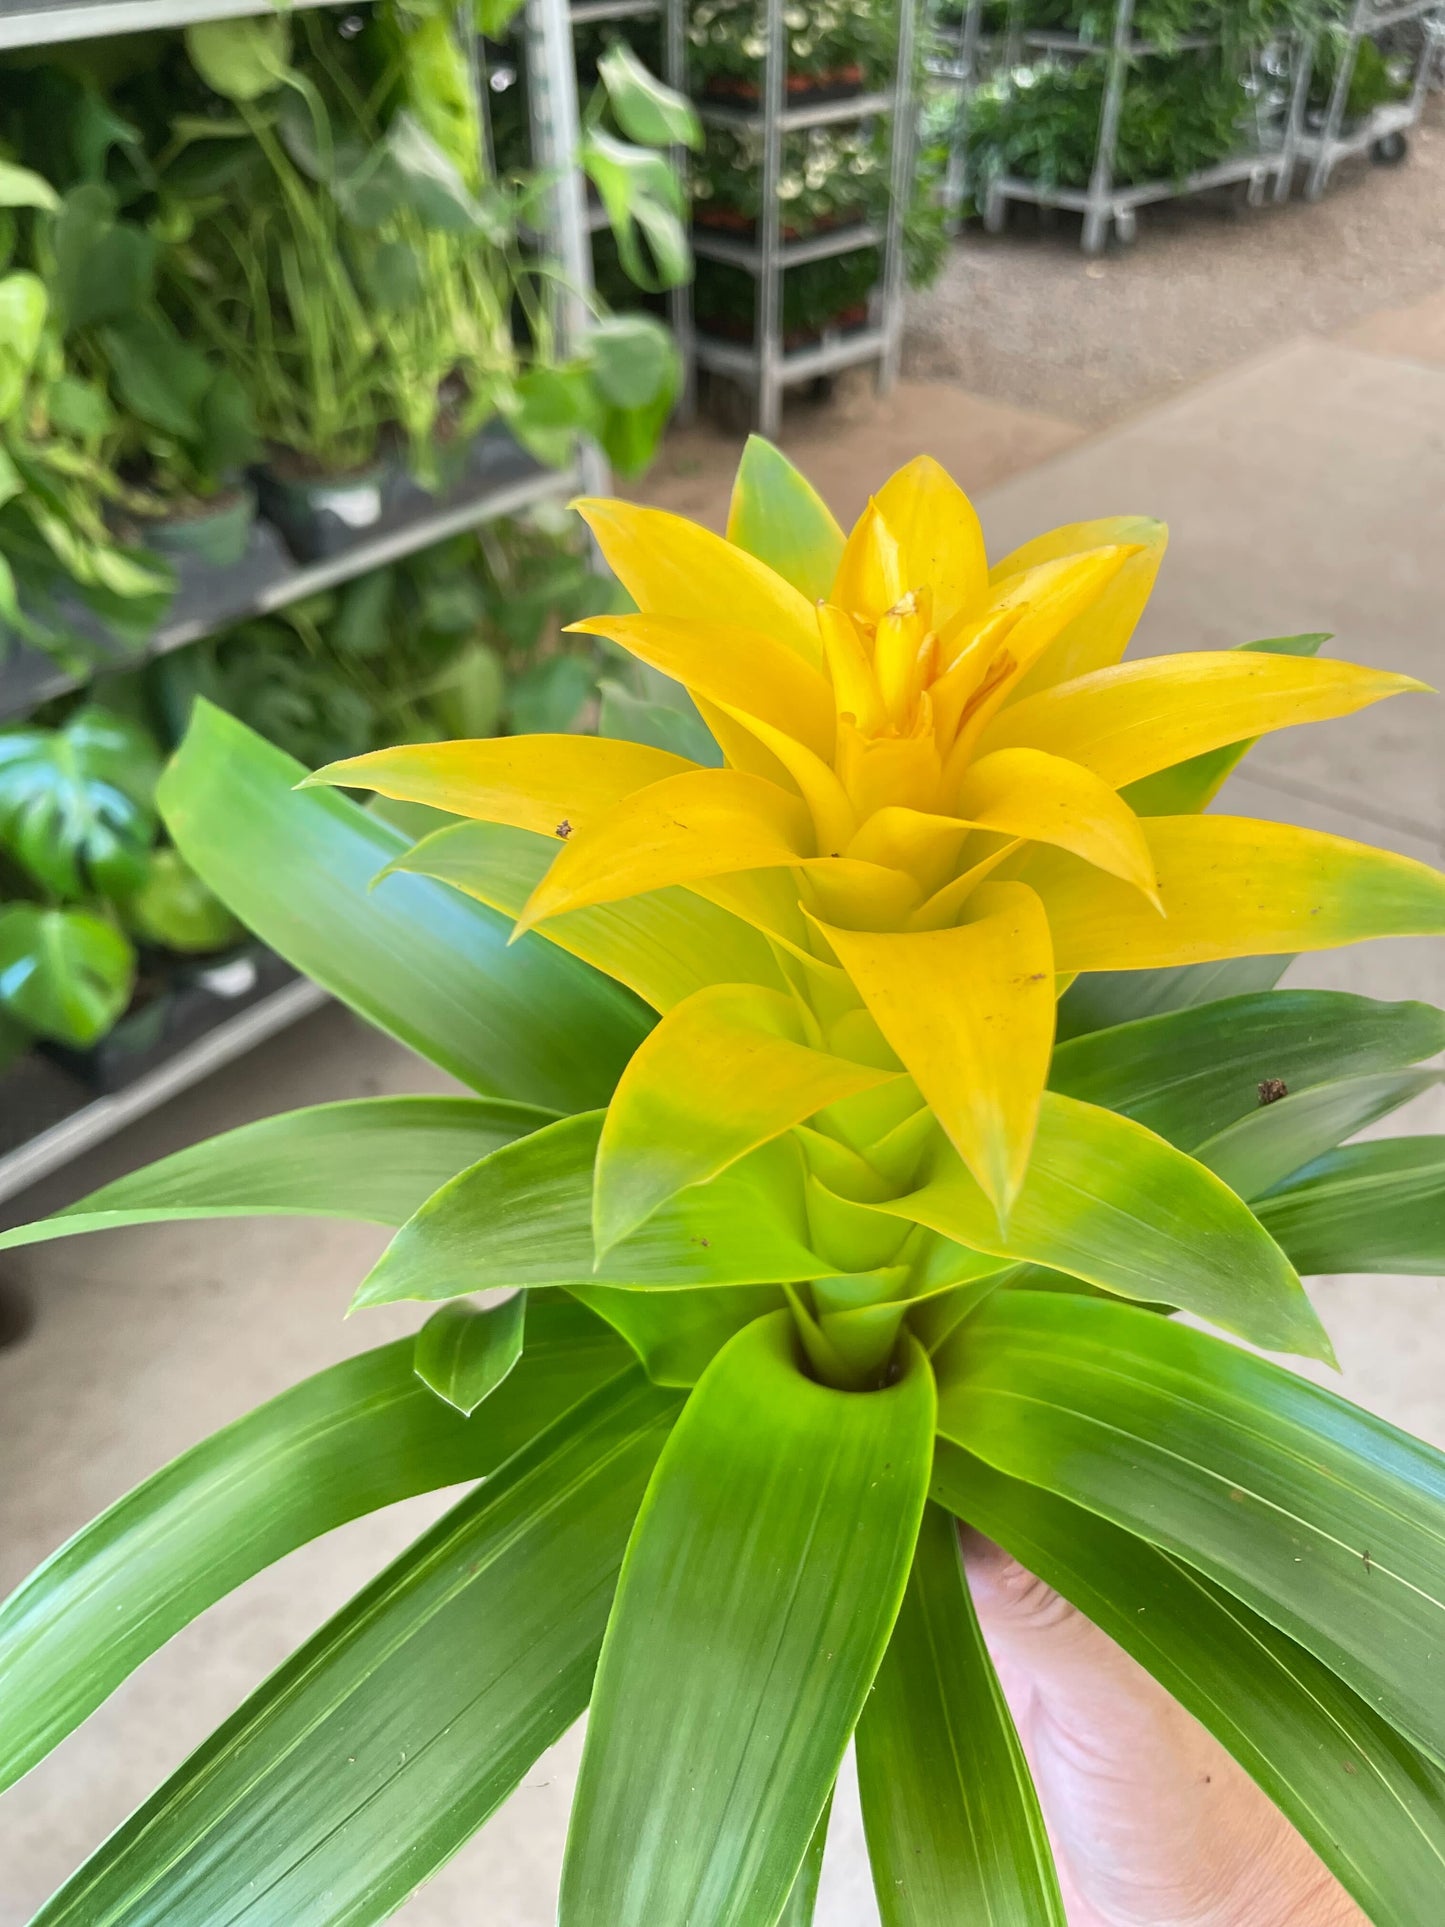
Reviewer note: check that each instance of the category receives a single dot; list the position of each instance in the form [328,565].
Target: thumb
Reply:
[1153,1823]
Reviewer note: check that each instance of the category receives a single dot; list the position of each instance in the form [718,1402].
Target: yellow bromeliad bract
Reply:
[939,799]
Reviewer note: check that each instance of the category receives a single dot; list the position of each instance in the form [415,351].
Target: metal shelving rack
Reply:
[1107,207]
[603,13]
[766,368]
[1384,131]
[27,679]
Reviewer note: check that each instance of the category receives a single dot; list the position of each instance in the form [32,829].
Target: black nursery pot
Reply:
[185,998]
[323,515]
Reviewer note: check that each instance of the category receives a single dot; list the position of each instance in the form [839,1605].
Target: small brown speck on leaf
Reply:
[1365,1555]
[1350,1767]
[564,829]
[1272,1089]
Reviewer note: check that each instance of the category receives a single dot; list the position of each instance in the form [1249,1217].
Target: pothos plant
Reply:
[824,1222]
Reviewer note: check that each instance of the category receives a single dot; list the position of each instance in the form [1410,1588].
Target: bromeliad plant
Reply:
[816,1236]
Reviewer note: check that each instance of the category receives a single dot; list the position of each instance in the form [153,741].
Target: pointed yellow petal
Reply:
[671,567]
[865,896]
[664,945]
[777,515]
[855,687]
[1051,598]
[970,1011]
[1137,717]
[1028,793]
[870,576]
[534,782]
[1232,887]
[742,669]
[938,535]
[740,747]
[1098,635]
[833,818]
[919,842]
[942,908]
[703,824]
[721,1074]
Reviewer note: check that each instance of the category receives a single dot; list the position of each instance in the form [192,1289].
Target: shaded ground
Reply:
[1023,318]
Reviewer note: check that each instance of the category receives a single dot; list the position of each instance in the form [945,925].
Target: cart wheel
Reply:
[17,1313]
[995,212]
[1390,150]
[1126,227]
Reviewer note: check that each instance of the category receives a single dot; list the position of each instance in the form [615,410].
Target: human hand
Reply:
[1153,1824]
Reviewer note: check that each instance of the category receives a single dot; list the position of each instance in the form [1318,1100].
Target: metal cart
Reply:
[765,367]
[1322,144]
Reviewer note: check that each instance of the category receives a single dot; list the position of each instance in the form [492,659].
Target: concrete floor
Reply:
[1024,319]
[1306,490]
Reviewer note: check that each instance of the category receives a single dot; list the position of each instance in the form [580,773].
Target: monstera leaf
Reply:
[76,805]
[64,974]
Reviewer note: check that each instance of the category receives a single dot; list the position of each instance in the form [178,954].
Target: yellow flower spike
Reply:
[975,666]
[1047,799]
[532,782]
[980,1058]
[737,668]
[671,567]
[1233,887]
[870,576]
[855,686]
[938,535]
[724,1072]
[1138,717]
[904,648]
[877,771]
[703,824]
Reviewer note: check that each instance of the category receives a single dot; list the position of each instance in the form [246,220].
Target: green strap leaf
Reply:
[1191,1073]
[756,1599]
[1107,1201]
[1324,1519]
[374,1159]
[778,516]
[803,1899]
[427,965]
[1193,784]
[1372,1807]
[678,1335]
[1263,1149]
[1367,1207]
[463,1352]
[954,1828]
[360,1435]
[523,1218]
[378,1748]
[1099,999]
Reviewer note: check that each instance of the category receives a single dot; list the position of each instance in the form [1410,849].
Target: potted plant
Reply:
[816,1239]
[60,561]
[835,50]
[100,914]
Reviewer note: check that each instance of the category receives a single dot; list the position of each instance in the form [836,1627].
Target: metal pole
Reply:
[769,309]
[679,300]
[900,188]
[1339,94]
[1101,182]
[552,106]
